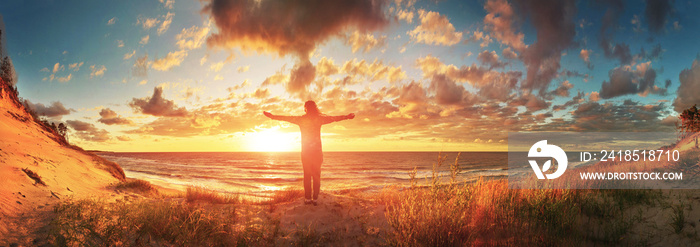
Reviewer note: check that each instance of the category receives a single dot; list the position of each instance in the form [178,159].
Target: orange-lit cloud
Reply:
[169,61]
[435,29]
[109,117]
[88,131]
[364,41]
[156,105]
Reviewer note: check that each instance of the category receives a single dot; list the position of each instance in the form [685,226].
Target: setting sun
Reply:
[272,140]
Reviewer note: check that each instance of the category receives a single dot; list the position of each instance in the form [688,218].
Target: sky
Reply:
[167,75]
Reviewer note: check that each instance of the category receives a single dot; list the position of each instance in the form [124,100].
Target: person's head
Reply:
[311,108]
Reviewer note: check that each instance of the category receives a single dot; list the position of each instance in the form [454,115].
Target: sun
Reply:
[272,140]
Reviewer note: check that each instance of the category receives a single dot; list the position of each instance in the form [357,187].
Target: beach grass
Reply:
[96,223]
[488,212]
[434,212]
[201,194]
[137,185]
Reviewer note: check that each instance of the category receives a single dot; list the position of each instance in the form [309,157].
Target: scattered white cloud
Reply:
[97,70]
[192,38]
[129,55]
[75,66]
[171,60]
[112,21]
[145,39]
[168,19]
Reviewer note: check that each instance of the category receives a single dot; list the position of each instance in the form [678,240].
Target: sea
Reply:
[260,173]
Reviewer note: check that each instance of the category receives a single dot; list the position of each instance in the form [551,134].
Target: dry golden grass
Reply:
[488,212]
[200,194]
[138,186]
[284,195]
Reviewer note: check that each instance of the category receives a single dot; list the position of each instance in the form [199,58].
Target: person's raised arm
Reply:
[291,119]
[330,119]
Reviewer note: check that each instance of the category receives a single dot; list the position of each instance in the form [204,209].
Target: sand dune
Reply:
[60,172]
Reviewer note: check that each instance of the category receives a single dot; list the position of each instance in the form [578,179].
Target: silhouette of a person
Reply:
[311,151]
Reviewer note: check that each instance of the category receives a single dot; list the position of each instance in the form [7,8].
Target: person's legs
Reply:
[307,180]
[316,174]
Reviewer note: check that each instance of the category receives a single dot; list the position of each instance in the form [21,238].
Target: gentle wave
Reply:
[259,172]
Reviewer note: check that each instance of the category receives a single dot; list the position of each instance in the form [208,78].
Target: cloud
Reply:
[508,53]
[145,40]
[364,41]
[595,96]
[124,138]
[45,70]
[261,93]
[499,21]
[88,131]
[485,38]
[97,70]
[191,38]
[147,23]
[619,51]
[432,66]
[109,117]
[120,43]
[585,55]
[687,94]
[140,68]
[555,24]
[677,26]
[57,67]
[630,115]
[75,66]
[171,60]
[490,59]
[168,4]
[65,78]
[447,92]
[167,20]
[627,79]
[276,26]
[563,89]
[656,13]
[326,67]
[217,66]
[55,110]
[405,15]
[578,99]
[112,21]
[300,77]
[374,71]
[158,106]
[435,29]
[128,56]
[242,69]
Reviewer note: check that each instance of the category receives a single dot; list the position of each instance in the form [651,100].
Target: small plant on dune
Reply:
[308,236]
[435,178]
[201,194]
[455,170]
[34,176]
[678,218]
[113,168]
[412,176]
[284,195]
[137,185]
